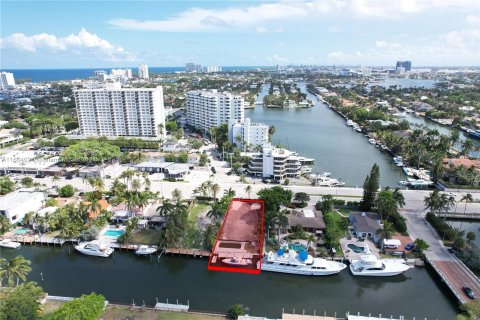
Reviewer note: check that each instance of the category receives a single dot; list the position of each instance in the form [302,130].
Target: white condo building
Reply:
[207,109]
[115,111]
[127,73]
[247,135]
[278,163]
[143,71]
[7,81]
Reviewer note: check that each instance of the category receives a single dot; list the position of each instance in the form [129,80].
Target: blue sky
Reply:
[76,34]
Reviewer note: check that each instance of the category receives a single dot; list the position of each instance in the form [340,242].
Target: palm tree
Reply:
[311,238]
[215,188]
[4,224]
[177,195]
[229,192]
[55,179]
[248,190]
[17,267]
[386,231]
[98,184]
[166,208]
[434,202]
[281,220]
[27,218]
[399,198]
[216,212]
[136,185]
[467,198]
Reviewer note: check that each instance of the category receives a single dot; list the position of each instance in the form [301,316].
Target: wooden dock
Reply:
[188,252]
[31,240]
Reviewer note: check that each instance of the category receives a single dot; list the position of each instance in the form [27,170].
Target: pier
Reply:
[188,252]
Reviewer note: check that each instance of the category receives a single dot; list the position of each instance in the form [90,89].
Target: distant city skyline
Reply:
[88,34]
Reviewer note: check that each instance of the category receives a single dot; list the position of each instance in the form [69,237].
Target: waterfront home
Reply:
[104,205]
[365,225]
[462,171]
[310,220]
[16,204]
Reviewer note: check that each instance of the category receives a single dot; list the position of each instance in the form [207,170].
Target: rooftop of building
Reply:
[13,199]
[212,93]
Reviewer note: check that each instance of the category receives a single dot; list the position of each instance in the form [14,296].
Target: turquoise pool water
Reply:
[114,232]
[355,248]
[297,246]
[21,231]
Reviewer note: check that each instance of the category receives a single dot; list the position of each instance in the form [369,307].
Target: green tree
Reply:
[471,236]
[248,190]
[5,224]
[27,182]
[302,197]
[90,151]
[370,188]
[386,204]
[236,310]
[66,191]
[203,160]
[21,302]
[15,269]
[386,231]
[87,307]
[6,185]
[421,245]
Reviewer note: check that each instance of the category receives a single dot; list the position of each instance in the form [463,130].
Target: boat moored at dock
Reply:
[300,263]
[145,250]
[7,243]
[95,248]
[370,265]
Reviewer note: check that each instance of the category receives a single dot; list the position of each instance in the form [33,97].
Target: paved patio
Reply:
[351,255]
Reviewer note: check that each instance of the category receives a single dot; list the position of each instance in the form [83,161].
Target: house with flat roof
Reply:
[365,224]
[16,204]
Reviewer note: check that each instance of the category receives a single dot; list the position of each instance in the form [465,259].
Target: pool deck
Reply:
[350,255]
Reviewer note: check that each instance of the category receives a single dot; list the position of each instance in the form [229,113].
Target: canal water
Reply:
[322,134]
[125,278]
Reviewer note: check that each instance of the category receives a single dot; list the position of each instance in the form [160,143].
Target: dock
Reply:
[38,240]
[188,252]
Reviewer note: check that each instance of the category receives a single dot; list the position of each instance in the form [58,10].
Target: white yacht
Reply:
[408,171]
[371,266]
[95,248]
[145,250]
[350,123]
[372,141]
[7,243]
[301,263]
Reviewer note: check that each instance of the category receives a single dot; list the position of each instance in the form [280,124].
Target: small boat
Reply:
[145,250]
[237,261]
[408,171]
[358,129]
[7,243]
[95,248]
[350,123]
[372,141]
[384,147]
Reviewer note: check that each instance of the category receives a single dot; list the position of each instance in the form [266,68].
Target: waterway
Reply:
[322,134]
[125,278]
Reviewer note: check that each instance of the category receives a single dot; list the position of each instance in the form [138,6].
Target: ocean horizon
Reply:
[39,75]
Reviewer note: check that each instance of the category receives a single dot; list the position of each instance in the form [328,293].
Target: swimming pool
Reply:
[113,233]
[21,231]
[297,246]
[355,248]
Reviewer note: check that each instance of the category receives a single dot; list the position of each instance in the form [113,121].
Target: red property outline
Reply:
[233,269]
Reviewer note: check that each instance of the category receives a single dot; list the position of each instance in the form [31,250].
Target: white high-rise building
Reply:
[143,71]
[7,81]
[247,135]
[127,73]
[278,163]
[115,111]
[209,69]
[207,109]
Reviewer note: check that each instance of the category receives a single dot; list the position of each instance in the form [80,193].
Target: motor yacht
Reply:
[237,261]
[372,141]
[370,265]
[408,171]
[7,243]
[145,250]
[350,123]
[300,263]
[95,248]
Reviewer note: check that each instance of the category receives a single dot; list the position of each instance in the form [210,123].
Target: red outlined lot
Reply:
[239,242]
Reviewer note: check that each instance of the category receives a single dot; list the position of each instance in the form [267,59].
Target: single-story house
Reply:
[104,205]
[310,220]
[365,224]
[16,204]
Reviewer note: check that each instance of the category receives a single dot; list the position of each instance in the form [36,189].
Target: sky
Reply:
[96,33]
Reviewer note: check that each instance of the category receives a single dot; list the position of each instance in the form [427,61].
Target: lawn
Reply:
[335,229]
[121,312]
[193,238]
[147,236]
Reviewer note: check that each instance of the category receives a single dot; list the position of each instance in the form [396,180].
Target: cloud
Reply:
[473,20]
[254,16]
[83,43]
[459,47]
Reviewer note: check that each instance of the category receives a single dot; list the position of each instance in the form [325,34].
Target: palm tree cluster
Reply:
[14,270]
[465,176]
[207,189]
[439,203]
[176,212]
[387,203]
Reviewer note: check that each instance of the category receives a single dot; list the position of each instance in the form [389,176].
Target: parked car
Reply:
[39,176]
[68,177]
[213,169]
[469,292]
[229,173]
[410,246]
